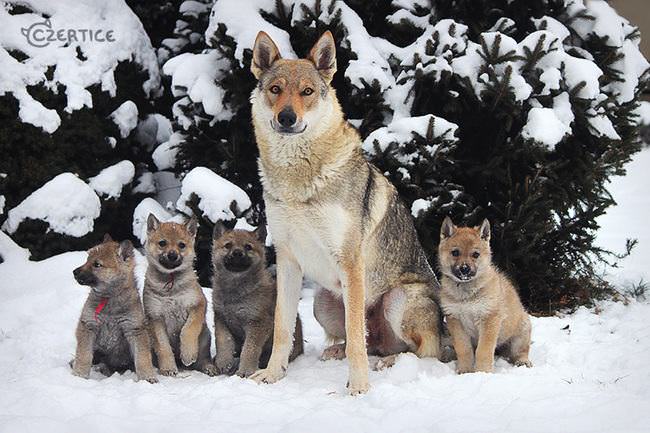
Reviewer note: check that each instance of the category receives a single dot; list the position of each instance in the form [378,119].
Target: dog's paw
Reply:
[359,386]
[523,363]
[225,365]
[484,367]
[149,376]
[245,372]
[209,369]
[171,372]
[335,351]
[385,362]
[268,375]
[463,368]
[189,353]
[82,373]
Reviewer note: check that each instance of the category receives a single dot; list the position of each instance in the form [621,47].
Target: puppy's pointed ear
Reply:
[192,225]
[219,230]
[126,250]
[265,53]
[484,231]
[260,232]
[152,223]
[447,229]
[107,238]
[323,56]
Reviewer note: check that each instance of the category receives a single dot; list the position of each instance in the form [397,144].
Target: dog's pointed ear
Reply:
[152,223]
[219,230]
[323,56]
[484,231]
[265,53]
[107,238]
[192,225]
[260,232]
[126,250]
[447,229]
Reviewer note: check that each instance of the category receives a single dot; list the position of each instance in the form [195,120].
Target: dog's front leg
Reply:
[354,297]
[140,344]
[190,334]
[164,353]
[286,310]
[249,360]
[487,342]
[83,358]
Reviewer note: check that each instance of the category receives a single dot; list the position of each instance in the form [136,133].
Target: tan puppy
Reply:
[482,307]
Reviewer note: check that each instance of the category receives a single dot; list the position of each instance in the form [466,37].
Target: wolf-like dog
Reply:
[482,307]
[173,299]
[243,298]
[334,218]
[112,331]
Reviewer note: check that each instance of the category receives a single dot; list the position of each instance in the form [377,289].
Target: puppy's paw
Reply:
[246,372]
[209,369]
[189,353]
[486,367]
[335,351]
[83,373]
[523,363]
[268,375]
[225,365]
[386,362]
[171,372]
[149,376]
[359,386]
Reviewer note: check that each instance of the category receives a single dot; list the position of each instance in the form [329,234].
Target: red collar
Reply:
[100,307]
[169,282]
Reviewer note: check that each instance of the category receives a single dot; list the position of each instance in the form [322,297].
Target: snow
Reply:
[66,203]
[544,127]
[643,113]
[2,204]
[153,129]
[110,180]
[590,375]
[101,59]
[165,155]
[126,118]
[141,213]
[418,206]
[146,184]
[216,195]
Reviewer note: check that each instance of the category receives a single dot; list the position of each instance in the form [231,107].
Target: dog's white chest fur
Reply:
[314,235]
[469,312]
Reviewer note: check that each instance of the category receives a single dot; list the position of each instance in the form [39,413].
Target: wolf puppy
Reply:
[243,297]
[112,331]
[173,299]
[481,304]
[333,217]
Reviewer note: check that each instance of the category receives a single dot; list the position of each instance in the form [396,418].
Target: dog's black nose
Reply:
[76,272]
[465,269]
[237,253]
[287,117]
[172,256]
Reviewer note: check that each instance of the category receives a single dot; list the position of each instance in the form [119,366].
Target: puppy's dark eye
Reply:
[97,265]
[248,247]
[227,245]
[275,90]
[181,245]
[308,91]
[476,254]
[162,243]
[455,253]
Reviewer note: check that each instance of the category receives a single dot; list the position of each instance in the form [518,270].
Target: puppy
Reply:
[112,330]
[243,297]
[481,304]
[174,302]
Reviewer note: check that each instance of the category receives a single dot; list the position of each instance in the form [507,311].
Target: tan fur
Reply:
[483,310]
[333,217]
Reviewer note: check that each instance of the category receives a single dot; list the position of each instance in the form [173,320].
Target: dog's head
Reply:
[293,96]
[464,252]
[238,251]
[109,265]
[170,246]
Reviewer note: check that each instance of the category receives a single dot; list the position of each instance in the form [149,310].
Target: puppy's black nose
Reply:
[172,256]
[287,117]
[237,253]
[465,269]
[76,272]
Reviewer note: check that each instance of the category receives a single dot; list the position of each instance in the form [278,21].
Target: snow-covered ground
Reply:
[591,368]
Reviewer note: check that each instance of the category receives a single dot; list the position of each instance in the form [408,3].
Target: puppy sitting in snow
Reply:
[112,331]
[174,302]
[243,297]
[482,307]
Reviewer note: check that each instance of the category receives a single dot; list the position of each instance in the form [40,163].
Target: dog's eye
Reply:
[227,245]
[455,252]
[181,245]
[308,91]
[97,265]
[162,243]
[476,254]
[248,247]
[275,90]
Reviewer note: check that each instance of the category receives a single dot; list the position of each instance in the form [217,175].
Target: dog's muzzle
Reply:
[464,272]
[84,278]
[237,261]
[171,260]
